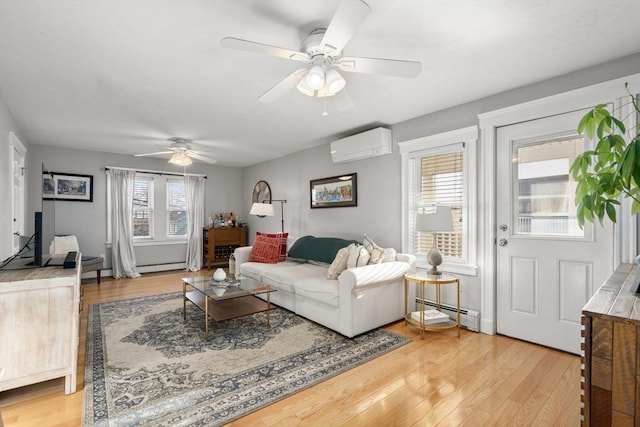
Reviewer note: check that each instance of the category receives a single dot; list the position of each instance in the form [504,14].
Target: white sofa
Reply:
[361,299]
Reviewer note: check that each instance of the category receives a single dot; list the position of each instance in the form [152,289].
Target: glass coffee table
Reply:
[225,300]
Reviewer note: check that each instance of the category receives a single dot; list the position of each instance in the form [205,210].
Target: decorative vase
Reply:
[219,275]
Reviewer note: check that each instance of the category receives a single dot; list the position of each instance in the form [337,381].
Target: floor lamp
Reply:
[266,209]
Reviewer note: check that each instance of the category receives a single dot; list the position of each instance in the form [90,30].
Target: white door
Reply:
[547,267]
[18,192]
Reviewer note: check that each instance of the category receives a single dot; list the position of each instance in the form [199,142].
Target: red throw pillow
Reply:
[265,249]
[283,244]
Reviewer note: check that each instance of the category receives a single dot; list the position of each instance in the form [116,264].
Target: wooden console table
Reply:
[39,325]
[611,353]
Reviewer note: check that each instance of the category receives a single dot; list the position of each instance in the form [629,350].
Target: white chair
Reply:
[64,244]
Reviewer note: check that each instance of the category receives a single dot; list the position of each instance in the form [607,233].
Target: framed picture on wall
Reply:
[67,186]
[334,192]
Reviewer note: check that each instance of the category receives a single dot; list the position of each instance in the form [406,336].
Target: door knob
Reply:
[503,242]
[503,227]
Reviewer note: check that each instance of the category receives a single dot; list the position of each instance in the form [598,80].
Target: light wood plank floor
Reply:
[476,380]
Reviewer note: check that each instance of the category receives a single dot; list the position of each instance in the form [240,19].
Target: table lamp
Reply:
[436,222]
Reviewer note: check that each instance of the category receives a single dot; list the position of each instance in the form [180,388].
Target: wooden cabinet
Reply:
[39,321]
[611,353]
[219,243]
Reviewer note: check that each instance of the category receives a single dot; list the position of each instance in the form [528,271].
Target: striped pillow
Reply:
[283,243]
[265,249]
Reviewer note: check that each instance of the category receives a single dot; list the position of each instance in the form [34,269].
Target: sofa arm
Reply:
[359,278]
[408,258]
[242,255]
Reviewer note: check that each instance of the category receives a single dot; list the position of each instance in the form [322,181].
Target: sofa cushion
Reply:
[286,277]
[255,270]
[323,249]
[319,289]
[282,254]
[265,249]
[358,256]
[339,264]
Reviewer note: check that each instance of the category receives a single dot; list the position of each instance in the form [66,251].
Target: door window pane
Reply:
[544,189]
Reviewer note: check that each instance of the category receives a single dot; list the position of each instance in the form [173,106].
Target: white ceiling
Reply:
[123,76]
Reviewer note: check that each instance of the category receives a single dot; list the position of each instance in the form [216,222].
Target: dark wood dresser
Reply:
[611,353]
[218,243]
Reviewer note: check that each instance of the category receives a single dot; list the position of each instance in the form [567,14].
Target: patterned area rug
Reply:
[145,365]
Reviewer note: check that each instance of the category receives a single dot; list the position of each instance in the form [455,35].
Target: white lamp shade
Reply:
[263,209]
[439,221]
[180,159]
[315,78]
[304,87]
[335,82]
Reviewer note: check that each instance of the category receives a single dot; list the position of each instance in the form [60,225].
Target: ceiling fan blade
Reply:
[153,154]
[343,101]
[203,158]
[345,21]
[388,67]
[250,46]
[283,86]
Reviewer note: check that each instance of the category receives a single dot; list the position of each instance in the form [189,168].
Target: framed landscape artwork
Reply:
[334,192]
[67,186]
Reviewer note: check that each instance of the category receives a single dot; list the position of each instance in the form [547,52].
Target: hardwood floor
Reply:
[476,380]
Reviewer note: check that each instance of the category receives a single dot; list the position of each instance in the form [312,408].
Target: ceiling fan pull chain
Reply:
[325,114]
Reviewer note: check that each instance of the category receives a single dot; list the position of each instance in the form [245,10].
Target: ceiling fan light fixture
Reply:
[303,87]
[335,82]
[180,159]
[315,78]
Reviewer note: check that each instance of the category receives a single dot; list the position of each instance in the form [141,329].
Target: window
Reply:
[159,210]
[176,208]
[439,170]
[143,208]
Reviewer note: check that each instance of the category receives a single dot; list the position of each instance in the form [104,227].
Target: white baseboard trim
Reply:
[142,269]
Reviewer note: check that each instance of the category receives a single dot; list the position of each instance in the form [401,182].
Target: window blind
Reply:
[441,182]
[143,207]
[176,208]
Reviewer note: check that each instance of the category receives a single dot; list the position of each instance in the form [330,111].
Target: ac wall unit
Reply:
[372,143]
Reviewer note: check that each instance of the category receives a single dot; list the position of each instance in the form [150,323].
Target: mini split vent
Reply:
[372,143]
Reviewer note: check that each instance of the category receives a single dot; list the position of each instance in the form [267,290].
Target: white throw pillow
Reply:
[376,253]
[339,263]
[358,256]
[389,255]
[64,244]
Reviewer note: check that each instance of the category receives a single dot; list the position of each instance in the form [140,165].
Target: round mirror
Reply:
[261,193]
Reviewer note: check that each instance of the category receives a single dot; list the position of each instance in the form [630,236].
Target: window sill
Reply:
[463,269]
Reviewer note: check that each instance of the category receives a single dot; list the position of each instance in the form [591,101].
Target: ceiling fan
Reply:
[181,152]
[321,50]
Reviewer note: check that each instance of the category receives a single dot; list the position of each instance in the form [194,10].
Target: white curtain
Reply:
[123,259]
[194,188]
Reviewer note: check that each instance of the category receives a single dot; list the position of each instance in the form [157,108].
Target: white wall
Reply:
[88,221]
[7,124]
[379,188]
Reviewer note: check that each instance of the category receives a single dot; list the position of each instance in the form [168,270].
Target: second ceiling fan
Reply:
[321,50]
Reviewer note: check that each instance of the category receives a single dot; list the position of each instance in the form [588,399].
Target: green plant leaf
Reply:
[635,207]
[619,124]
[611,211]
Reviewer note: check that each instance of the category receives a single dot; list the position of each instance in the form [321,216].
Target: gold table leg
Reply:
[206,318]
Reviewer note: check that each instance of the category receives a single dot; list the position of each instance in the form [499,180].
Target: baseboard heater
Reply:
[470,319]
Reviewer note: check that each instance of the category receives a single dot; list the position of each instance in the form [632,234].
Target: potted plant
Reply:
[610,170]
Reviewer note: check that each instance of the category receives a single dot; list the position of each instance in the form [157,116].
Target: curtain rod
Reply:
[155,172]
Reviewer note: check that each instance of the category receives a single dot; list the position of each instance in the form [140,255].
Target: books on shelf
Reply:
[430,316]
